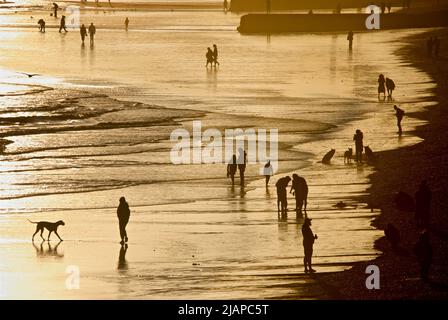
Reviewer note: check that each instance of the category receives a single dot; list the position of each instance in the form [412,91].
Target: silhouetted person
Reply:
[399,113]
[383,8]
[436,46]
[126,23]
[122,263]
[92,31]
[231,169]
[308,241]
[350,39]
[62,24]
[209,57]
[429,45]
[282,199]
[41,24]
[423,251]
[242,161]
[381,86]
[338,9]
[268,6]
[423,205]
[123,214]
[215,54]
[358,137]
[55,9]
[225,6]
[390,86]
[83,32]
[389,7]
[299,188]
[392,235]
[268,171]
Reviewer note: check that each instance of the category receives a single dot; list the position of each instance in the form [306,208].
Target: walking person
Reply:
[62,25]
[126,23]
[299,189]
[215,55]
[358,137]
[399,113]
[282,198]
[350,39]
[390,86]
[226,6]
[423,205]
[83,32]
[268,171]
[209,57]
[381,86]
[92,31]
[55,9]
[123,214]
[308,242]
[423,251]
[242,160]
[231,169]
[41,24]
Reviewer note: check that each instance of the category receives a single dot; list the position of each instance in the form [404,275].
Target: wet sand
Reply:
[403,169]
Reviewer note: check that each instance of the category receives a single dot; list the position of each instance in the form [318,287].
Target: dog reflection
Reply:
[43,251]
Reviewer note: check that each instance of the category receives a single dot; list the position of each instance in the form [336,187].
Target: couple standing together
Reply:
[212,56]
[235,165]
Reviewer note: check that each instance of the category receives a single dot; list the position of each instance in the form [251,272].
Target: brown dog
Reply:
[50,226]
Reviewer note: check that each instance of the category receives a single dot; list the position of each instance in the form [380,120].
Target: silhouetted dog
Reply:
[50,226]
[348,155]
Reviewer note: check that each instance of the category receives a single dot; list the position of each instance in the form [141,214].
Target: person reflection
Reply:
[122,263]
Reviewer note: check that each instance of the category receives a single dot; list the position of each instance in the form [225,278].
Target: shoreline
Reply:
[402,170]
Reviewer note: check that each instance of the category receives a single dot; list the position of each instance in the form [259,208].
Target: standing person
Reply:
[41,24]
[231,169]
[123,214]
[399,113]
[62,25]
[83,32]
[268,6]
[126,23]
[55,9]
[390,86]
[225,5]
[215,55]
[436,46]
[381,87]
[92,31]
[350,39]
[209,57]
[268,171]
[429,45]
[242,160]
[358,137]
[423,205]
[299,189]
[282,198]
[423,251]
[308,241]
[389,7]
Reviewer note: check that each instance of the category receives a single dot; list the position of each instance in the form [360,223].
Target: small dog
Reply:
[50,226]
[348,155]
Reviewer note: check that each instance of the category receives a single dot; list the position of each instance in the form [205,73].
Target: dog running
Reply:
[50,226]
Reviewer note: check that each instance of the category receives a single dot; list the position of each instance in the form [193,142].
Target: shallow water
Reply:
[75,149]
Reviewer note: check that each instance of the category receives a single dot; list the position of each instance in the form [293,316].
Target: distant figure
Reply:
[399,113]
[215,55]
[390,86]
[242,161]
[225,6]
[429,45]
[383,8]
[83,32]
[392,235]
[123,214]
[126,23]
[268,6]
[311,11]
[282,198]
[268,171]
[92,31]
[308,241]
[231,169]
[338,9]
[389,7]
[350,39]
[381,86]
[209,57]
[62,25]
[423,251]
[423,205]
[299,189]
[436,46]
[358,137]
[55,9]
[41,24]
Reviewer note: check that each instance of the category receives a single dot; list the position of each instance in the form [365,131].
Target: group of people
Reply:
[212,56]
[433,45]
[299,189]
[237,164]
[383,84]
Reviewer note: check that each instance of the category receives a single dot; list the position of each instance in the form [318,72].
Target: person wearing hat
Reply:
[308,241]
[123,214]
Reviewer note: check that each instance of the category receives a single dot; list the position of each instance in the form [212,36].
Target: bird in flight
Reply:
[30,75]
